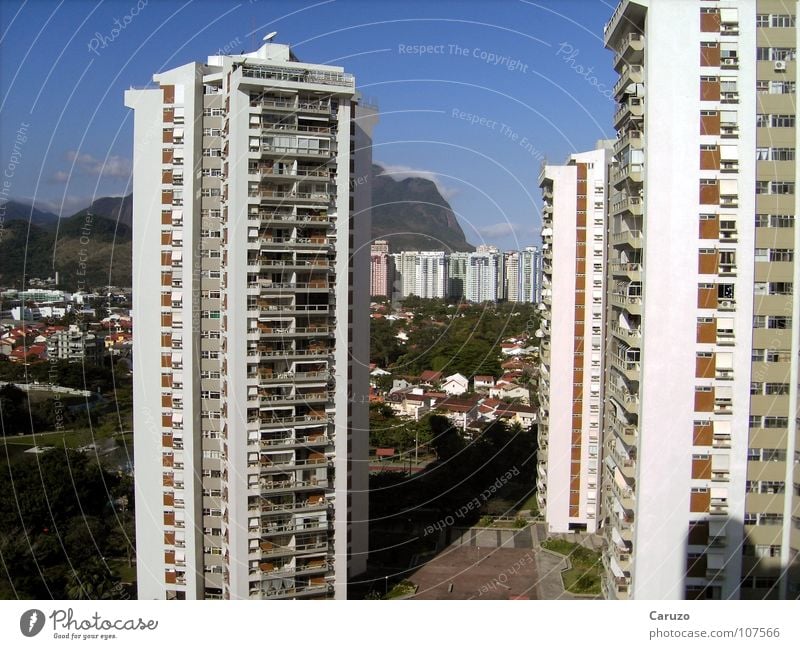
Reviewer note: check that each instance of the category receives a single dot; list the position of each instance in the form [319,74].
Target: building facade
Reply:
[571,344]
[75,345]
[701,380]
[380,269]
[482,276]
[250,242]
[430,274]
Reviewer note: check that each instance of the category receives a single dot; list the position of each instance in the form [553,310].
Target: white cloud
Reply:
[506,229]
[112,167]
[59,178]
[401,172]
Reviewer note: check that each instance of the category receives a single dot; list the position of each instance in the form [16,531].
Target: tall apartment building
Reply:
[511,261]
[381,280]
[482,276]
[430,274]
[250,260]
[405,272]
[701,482]
[570,396]
[457,274]
[530,275]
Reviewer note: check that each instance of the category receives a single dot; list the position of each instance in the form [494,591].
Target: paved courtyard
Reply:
[492,564]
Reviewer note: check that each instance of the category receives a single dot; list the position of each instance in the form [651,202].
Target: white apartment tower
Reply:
[251,289]
[571,368]
[482,276]
[530,274]
[511,261]
[430,274]
[701,477]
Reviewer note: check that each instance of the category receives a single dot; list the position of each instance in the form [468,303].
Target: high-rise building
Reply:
[511,275]
[457,274]
[405,270]
[530,275]
[482,275]
[430,275]
[380,269]
[251,260]
[571,360]
[701,450]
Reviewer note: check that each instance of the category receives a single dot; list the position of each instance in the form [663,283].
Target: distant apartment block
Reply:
[457,274]
[482,276]
[381,266]
[571,341]
[430,278]
[75,345]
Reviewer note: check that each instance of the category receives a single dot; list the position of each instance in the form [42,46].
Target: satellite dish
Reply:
[270,36]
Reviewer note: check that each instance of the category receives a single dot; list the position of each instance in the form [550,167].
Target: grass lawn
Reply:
[402,589]
[585,576]
[530,503]
[120,567]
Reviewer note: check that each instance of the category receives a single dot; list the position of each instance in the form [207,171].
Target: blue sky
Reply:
[474,95]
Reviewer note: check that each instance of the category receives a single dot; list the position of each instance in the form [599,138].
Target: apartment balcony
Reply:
[268,401]
[292,173]
[270,570]
[282,466]
[718,507]
[632,238]
[280,244]
[296,420]
[284,127]
[322,264]
[269,288]
[293,309]
[630,74]
[293,378]
[630,173]
[628,205]
[628,368]
[269,216]
[628,401]
[632,337]
[289,443]
[625,465]
[295,332]
[322,353]
[306,505]
[623,494]
[631,271]
[631,108]
[293,106]
[626,432]
[289,486]
[280,529]
[268,196]
[269,549]
[630,52]
[300,592]
[306,152]
[631,303]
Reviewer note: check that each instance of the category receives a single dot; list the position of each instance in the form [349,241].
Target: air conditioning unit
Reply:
[725,304]
[729,61]
[780,66]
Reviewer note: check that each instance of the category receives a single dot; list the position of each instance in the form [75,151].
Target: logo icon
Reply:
[31,622]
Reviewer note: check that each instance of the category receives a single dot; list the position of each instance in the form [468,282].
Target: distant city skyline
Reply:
[467,98]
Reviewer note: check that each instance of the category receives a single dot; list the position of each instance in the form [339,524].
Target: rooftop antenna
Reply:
[268,38]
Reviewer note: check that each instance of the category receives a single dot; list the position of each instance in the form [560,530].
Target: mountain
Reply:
[118,209]
[96,252]
[15,211]
[411,214]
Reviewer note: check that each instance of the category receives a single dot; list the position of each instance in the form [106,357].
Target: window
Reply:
[753,454]
[762,186]
[781,87]
[779,322]
[762,86]
[762,120]
[782,121]
[762,20]
[772,487]
[782,20]
[781,254]
[781,187]
[773,455]
[776,422]
[756,388]
[781,288]
[782,153]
